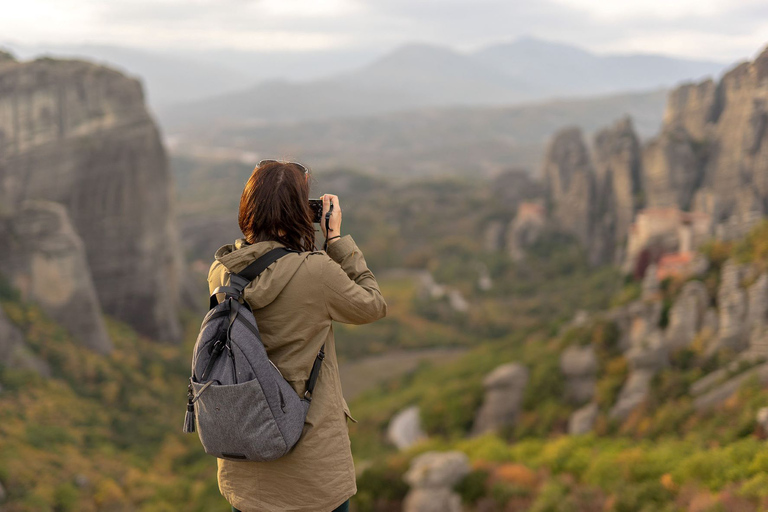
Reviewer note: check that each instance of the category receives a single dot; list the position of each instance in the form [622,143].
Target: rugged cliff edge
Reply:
[79,134]
[710,158]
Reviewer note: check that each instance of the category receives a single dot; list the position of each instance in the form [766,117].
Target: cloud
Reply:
[721,29]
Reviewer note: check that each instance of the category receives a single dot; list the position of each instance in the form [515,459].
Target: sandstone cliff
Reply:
[79,134]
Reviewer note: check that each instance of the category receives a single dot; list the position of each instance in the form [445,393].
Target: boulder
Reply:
[762,418]
[633,393]
[579,365]
[583,420]
[47,263]
[432,476]
[404,428]
[504,388]
[437,469]
[432,500]
[687,315]
[457,301]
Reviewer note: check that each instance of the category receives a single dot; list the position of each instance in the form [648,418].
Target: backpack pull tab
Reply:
[189,418]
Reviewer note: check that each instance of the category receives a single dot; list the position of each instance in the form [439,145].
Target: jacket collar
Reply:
[240,254]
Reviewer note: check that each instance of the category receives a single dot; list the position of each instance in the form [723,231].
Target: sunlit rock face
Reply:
[710,158]
[45,260]
[79,134]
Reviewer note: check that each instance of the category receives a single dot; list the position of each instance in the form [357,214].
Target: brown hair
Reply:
[276,199]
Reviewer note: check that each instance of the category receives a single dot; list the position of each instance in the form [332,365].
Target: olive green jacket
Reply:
[295,301]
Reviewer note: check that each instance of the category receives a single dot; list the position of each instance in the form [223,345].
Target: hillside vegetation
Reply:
[666,455]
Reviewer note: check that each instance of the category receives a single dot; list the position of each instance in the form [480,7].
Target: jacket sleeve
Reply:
[351,292]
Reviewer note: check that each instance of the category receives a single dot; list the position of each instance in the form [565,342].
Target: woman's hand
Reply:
[335,221]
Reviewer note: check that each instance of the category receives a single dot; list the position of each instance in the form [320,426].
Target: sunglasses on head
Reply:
[270,161]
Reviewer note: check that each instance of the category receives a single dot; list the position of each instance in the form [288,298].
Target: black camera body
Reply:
[316,205]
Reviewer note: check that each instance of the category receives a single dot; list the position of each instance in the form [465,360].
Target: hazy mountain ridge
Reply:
[419,75]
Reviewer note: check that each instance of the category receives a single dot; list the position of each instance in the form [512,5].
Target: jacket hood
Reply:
[267,286]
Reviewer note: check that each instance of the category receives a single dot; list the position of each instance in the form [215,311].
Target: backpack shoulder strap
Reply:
[253,270]
[238,281]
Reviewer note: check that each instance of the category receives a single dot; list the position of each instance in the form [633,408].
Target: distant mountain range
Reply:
[419,75]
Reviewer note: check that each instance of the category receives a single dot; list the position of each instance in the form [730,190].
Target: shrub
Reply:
[473,486]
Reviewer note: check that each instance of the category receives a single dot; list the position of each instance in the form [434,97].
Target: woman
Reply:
[295,301]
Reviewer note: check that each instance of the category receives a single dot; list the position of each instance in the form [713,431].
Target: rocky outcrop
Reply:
[693,107]
[79,134]
[757,315]
[579,365]
[570,180]
[672,169]
[723,391]
[526,229]
[732,307]
[45,260]
[686,318]
[404,428]
[504,388]
[14,353]
[583,420]
[710,157]
[618,170]
[632,394]
[432,476]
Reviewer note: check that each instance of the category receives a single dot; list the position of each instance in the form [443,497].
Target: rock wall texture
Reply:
[79,134]
[504,389]
[711,156]
[45,259]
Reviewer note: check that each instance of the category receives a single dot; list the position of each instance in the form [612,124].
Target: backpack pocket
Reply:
[235,422]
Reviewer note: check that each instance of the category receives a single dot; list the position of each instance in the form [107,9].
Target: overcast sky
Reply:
[724,30]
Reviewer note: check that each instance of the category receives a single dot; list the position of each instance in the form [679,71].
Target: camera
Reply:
[316,205]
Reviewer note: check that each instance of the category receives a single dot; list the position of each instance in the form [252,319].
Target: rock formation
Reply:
[710,157]
[686,318]
[432,476]
[583,420]
[526,229]
[79,134]
[570,180]
[672,169]
[732,306]
[579,365]
[45,260]
[504,388]
[404,428]
[617,166]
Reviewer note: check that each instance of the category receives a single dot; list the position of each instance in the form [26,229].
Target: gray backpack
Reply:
[243,407]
